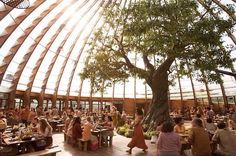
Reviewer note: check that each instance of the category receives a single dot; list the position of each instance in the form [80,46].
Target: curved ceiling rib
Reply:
[13,50]
[230,34]
[81,51]
[48,71]
[26,57]
[223,7]
[77,62]
[51,64]
[19,20]
[4,10]
[43,54]
[71,49]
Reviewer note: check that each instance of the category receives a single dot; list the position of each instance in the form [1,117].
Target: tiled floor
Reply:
[117,149]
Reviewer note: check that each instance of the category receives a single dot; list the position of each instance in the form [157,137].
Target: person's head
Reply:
[70,116]
[167,127]
[198,115]
[221,125]
[36,120]
[10,115]
[139,111]
[64,114]
[178,120]
[109,118]
[197,122]
[103,117]
[209,120]
[89,119]
[77,120]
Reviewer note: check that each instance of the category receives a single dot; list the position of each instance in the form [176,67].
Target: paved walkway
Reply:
[117,149]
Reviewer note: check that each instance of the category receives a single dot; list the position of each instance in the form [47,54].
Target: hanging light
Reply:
[19,4]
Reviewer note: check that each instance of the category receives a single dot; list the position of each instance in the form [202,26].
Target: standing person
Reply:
[114,115]
[137,138]
[76,129]
[199,139]
[168,143]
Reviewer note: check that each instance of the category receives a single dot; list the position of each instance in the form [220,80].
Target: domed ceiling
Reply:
[43,49]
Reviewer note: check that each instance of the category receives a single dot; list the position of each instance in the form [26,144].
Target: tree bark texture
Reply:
[159,107]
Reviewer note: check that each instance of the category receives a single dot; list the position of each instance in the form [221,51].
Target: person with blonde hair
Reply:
[45,130]
[86,134]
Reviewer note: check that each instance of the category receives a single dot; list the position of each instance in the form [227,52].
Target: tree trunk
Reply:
[159,107]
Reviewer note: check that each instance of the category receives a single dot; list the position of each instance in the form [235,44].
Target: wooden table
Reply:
[22,146]
[98,133]
[12,141]
[54,123]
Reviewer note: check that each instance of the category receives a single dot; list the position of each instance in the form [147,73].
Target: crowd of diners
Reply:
[209,133]
[78,123]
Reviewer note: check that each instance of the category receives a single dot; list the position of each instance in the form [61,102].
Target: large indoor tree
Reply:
[144,38]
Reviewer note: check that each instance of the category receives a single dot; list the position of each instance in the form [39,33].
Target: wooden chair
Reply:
[83,144]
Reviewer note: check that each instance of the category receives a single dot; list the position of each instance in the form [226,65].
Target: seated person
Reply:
[210,126]
[179,127]
[86,134]
[199,139]
[45,130]
[231,123]
[168,142]
[35,124]
[108,125]
[64,117]
[67,122]
[226,140]
[11,121]
[3,126]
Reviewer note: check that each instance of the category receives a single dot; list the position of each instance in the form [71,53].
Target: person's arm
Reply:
[179,144]
[191,137]
[215,138]
[159,141]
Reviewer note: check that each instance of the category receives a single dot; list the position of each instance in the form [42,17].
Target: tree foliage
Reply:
[155,31]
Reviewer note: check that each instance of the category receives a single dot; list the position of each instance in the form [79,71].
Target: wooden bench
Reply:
[83,144]
[46,152]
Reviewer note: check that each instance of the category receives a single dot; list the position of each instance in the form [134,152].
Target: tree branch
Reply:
[147,63]
[164,66]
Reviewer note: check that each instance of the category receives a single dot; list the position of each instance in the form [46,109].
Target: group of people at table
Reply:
[78,124]
[208,134]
